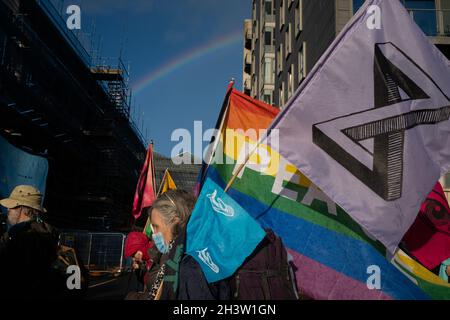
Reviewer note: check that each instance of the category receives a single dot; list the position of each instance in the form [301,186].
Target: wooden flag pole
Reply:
[162,182]
[153,166]
[222,116]
[233,178]
[146,224]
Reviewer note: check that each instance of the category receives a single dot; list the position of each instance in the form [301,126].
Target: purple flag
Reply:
[370,125]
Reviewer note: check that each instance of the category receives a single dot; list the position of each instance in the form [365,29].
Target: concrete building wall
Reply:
[263,56]
[247,58]
[344,12]
[317,19]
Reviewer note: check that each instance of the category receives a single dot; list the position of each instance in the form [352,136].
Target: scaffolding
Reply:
[58,99]
[115,81]
[111,73]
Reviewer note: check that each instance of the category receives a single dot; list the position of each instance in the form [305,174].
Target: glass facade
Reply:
[357,4]
[424,14]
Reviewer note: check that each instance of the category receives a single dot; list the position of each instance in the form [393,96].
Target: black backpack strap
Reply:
[238,281]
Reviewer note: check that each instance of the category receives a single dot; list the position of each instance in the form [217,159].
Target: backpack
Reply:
[65,257]
[35,246]
[266,274]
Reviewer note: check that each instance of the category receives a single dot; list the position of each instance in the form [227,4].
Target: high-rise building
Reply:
[289,37]
[247,61]
[304,30]
[262,70]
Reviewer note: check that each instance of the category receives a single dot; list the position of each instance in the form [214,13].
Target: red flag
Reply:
[145,191]
[428,239]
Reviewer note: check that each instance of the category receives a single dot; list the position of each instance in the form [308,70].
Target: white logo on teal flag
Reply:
[219,206]
[206,258]
[220,243]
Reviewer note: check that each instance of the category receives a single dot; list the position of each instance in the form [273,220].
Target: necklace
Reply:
[159,276]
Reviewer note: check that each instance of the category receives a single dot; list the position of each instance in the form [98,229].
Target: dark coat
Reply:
[193,284]
[27,253]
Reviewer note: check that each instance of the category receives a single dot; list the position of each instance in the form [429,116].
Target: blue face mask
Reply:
[159,242]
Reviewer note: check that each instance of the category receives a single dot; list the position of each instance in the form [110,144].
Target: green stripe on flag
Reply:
[257,185]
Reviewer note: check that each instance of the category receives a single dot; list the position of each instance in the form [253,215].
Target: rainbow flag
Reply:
[334,256]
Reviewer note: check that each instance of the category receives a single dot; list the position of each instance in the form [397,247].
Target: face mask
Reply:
[159,242]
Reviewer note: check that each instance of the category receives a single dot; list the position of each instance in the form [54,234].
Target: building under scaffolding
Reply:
[56,102]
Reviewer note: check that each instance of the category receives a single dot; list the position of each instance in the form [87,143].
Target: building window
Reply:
[288,40]
[445,27]
[280,59]
[290,3]
[301,63]
[255,30]
[254,86]
[281,95]
[422,11]
[253,62]
[356,5]
[290,82]
[424,14]
[269,40]
[268,37]
[298,18]
[269,7]
[268,96]
[282,14]
[269,71]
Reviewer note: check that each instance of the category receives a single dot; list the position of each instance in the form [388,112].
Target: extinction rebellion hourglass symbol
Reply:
[370,143]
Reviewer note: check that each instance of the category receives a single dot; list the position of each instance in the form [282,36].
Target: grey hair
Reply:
[175,207]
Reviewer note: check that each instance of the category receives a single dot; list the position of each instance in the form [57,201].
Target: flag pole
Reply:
[233,178]
[154,180]
[162,182]
[153,165]
[146,224]
[219,125]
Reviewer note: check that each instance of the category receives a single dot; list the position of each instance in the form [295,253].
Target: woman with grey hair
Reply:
[179,277]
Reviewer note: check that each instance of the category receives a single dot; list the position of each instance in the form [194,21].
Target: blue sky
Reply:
[154,33]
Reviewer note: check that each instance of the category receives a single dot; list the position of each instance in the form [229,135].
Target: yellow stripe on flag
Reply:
[402,259]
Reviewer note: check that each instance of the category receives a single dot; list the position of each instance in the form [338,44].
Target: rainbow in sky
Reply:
[186,58]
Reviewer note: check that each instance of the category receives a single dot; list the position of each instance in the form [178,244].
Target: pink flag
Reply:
[145,191]
[428,240]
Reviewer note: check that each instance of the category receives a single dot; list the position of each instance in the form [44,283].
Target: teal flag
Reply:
[220,233]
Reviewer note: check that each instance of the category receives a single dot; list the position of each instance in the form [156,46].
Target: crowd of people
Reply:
[169,274]
[33,263]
